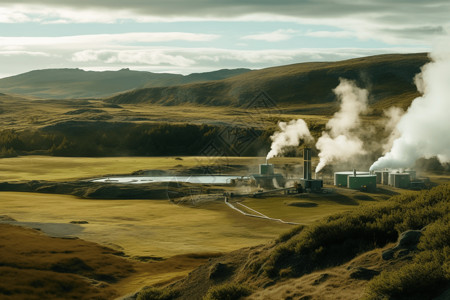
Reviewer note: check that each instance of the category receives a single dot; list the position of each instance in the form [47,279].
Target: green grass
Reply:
[426,276]
[341,237]
[154,293]
[228,291]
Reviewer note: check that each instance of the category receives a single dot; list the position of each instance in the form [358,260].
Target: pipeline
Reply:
[259,215]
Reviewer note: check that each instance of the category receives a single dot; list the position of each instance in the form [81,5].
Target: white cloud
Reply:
[147,57]
[22,53]
[275,36]
[331,34]
[106,39]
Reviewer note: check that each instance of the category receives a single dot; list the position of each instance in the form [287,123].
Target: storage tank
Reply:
[400,180]
[362,182]
[341,178]
[379,175]
[385,177]
[412,174]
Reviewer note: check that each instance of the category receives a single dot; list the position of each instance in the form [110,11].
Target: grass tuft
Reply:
[228,291]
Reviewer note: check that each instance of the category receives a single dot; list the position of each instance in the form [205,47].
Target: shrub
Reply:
[426,276]
[228,291]
[341,237]
[154,293]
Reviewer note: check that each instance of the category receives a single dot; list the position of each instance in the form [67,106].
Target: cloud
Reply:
[147,57]
[106,39]
[99,56]
[274,36]
[23,53]
[398,22]
[331,34]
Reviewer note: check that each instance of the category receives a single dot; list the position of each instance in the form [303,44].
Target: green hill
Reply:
[77,83]
[389,78]
[397,249]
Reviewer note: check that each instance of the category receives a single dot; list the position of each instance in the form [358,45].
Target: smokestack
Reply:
[307,163]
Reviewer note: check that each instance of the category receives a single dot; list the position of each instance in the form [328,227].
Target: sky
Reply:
[190,36]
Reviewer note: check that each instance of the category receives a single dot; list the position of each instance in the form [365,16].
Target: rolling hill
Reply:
[77,83]
[389,79]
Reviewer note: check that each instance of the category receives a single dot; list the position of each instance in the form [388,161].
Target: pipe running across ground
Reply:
[257,215]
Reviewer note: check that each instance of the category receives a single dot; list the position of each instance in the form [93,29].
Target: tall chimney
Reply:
[307,163]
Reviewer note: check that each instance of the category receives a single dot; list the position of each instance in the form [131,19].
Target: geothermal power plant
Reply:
[267,180]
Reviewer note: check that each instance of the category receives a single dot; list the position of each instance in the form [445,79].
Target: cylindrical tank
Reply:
[362,182]
[341,178]
[412,174]
[379,175]
[400,180]
[385,177]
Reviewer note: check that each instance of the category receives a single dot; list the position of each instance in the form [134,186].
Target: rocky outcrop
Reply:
[406,243]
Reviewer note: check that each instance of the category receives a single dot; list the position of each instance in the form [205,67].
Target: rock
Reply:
[388,254]
[219,270]
[407,242]
[363,273]
[409,239]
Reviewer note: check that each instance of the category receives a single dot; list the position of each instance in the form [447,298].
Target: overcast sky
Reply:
[201,35]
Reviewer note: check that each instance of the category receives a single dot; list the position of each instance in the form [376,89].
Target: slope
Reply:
[77,83]
[343,256]
[389,78]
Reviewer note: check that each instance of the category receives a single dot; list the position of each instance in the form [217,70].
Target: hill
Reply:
[389,79]
[351,255]
[77,83]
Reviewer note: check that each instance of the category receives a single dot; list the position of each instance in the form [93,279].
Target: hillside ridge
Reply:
[389,78]
[77,83]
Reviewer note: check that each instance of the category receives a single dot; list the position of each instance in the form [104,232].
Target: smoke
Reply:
[290,135]
[341,142]
[391,118]
[424,128]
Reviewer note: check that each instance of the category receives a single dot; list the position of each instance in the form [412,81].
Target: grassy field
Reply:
[154,227]
[69,168]
[141,227]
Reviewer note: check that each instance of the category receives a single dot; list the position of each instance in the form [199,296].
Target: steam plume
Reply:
[340,143]
[290,135]
[391,118]
[424,128]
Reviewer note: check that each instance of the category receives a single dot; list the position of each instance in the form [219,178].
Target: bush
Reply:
[426,276]
[341,237]
[229,291]
[154,293]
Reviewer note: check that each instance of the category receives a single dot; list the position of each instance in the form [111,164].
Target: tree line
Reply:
[97,139]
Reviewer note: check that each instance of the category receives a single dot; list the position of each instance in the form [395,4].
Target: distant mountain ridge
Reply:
[77,83]
[389,79]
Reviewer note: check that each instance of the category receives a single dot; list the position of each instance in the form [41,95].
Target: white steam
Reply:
[424,129]
[391,118]
[341,143]
[290,135]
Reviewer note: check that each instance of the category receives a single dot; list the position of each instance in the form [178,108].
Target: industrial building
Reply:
[307,183]
[341,178]
[357,180]
[400,180]
[362,182]
[267,177]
